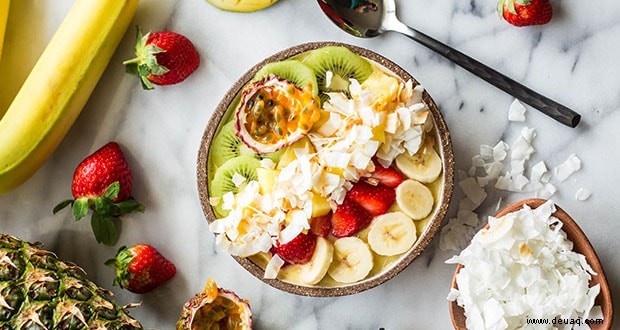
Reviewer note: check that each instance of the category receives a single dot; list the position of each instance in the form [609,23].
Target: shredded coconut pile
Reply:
[523,267]
[504,167]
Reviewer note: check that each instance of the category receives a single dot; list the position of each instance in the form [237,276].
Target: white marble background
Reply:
[573,60]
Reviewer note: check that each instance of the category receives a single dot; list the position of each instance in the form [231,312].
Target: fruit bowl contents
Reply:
[325,170]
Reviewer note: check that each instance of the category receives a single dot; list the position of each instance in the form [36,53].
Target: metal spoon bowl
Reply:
[370,18]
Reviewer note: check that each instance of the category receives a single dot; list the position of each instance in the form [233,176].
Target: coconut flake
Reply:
[566,169]
[516,112]
[582,194]
[273,267]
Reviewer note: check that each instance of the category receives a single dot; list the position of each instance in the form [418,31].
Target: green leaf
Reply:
[104,229]
[105,207]
[80,208]
[129,206]
[62,205]
[112,191]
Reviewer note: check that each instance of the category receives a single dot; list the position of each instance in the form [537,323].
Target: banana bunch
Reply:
[243,6]
[4,16]
[59,85]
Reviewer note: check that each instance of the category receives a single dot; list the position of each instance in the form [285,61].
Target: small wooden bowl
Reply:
[581,244]
[443,201]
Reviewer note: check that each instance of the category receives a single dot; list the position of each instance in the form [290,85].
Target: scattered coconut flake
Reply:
[524,261]
[237,179]
[473,191]
[273,266]
[582,194]
[566,169]
[516,112]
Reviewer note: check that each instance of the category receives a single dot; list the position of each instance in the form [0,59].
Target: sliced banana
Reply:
[352,260]
[391,234]
[424,166]
[314,271]
[242,5]
[414,199]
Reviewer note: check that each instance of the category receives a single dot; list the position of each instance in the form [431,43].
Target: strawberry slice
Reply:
[387,176]
[349,219]
[299,250]
[321,226]
[375,199]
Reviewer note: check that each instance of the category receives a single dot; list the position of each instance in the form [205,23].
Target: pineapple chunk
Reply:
[266,179]
[289,153]
[320,206]
[385,89]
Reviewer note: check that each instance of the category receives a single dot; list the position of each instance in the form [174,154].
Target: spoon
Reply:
[581,244]
[370,18]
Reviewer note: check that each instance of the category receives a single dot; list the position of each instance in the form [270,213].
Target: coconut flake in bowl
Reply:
[530,267]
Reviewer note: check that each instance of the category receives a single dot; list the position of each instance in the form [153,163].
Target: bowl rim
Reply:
[581,244]
[425,238]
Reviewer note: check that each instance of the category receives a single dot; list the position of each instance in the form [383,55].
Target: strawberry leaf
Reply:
[112,191]
[80,208]
[104,229]
[129,206]
[62,205]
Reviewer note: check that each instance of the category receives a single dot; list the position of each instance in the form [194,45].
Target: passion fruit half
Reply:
[215,308]
[274,113]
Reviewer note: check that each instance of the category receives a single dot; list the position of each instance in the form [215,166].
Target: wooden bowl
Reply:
[439,211]
[581,244]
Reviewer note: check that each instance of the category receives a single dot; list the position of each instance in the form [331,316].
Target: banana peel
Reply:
[4,16]
[242,6]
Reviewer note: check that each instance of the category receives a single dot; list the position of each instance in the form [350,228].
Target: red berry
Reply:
[387,176]
[97,172]
[299,250]
[102,182]
[321,226]
[375,199]
[141,268]
[525,12]
[349,219]
[163,58]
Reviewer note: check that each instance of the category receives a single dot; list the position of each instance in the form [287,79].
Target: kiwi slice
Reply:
[344,65]
[222,183]
[292,70]
[226,145]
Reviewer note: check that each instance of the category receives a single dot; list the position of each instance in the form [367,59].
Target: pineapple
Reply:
[38,291]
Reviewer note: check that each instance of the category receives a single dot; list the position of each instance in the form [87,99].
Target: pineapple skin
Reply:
[39,291]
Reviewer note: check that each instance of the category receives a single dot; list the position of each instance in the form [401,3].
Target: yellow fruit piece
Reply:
[266,179]
[320,206]
[242,6]
[4,16]
[289,154]
[59,85]
[385,89]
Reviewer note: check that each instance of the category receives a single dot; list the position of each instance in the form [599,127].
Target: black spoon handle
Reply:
[547,106]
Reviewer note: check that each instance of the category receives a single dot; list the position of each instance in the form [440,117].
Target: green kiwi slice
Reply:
[342,62]
[293,71]
[226,145]
[222,183]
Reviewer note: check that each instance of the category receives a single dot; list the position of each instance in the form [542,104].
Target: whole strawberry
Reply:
[141,268]
[102,183]
[525,12]
[163,58]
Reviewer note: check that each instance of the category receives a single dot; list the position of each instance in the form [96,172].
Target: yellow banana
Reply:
[4,15]
[242,5]
[59,85]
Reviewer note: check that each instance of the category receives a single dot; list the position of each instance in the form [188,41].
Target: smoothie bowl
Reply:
[325,170]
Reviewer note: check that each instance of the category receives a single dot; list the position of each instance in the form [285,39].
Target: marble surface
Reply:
[572,60]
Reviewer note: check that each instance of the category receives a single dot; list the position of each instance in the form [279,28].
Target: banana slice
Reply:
[314,271]
[424,166]
[414,199]
[391,234]
[243,6]
[352,260]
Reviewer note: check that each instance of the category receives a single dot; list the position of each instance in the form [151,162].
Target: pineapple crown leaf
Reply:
[145,63]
